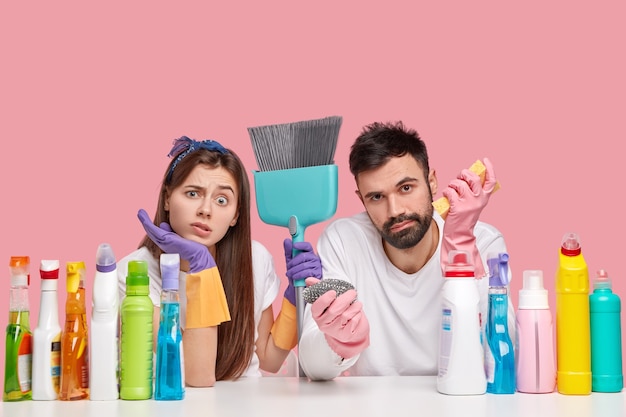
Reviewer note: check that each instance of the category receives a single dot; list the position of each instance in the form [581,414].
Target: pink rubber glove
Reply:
[342,321]
[467,197]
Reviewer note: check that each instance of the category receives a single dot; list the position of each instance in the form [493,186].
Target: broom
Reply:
[297,182]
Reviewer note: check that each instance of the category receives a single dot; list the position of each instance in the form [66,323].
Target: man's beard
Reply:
[409,237]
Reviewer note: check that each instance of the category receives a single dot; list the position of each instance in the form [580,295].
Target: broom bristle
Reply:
[295,145]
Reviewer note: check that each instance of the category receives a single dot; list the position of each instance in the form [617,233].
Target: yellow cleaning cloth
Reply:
[284,330]
[206,300]
[442,205]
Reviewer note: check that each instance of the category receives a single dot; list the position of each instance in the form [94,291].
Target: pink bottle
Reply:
[535,366]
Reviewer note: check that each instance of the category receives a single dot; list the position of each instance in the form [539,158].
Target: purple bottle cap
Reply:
[170,266]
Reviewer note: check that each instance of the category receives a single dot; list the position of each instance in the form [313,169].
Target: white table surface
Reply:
[344,396]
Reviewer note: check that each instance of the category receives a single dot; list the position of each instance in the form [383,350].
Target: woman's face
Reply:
[204,206]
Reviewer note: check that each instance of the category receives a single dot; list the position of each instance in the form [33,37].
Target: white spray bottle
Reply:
[47,336]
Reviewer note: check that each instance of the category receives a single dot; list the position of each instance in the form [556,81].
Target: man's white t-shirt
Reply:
[403,310]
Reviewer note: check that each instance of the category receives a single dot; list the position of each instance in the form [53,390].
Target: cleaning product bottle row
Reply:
[588,326]
[65,364]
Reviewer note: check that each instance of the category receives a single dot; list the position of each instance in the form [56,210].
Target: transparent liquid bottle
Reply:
[573,356]
[606,336]
[170,374]
[47,336]
[74,384]
[534,357]
[499,354]
[104,328]
[461,354]
[18,348]
[136,338]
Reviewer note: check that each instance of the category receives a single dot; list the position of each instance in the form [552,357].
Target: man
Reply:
[393,254]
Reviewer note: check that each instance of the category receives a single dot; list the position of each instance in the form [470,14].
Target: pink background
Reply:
[92,96]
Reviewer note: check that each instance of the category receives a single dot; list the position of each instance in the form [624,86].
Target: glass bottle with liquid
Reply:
[18,348]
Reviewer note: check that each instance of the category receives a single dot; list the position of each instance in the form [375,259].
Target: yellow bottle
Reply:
[74,383]
[573,345]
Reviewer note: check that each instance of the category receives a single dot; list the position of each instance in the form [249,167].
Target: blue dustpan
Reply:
[296,198]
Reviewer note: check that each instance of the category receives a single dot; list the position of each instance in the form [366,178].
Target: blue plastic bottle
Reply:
[170,376]
[499,354]
[606,336]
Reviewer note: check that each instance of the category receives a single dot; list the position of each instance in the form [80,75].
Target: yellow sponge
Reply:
[442,205]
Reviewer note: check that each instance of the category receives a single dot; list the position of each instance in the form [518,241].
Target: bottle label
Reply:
[24,363]
[55,362]
[445,341]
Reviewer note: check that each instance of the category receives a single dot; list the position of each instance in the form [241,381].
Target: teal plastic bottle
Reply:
[499,354]
[606,336]
[170,375]
[136,335]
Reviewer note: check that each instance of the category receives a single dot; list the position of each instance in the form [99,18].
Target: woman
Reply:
[203,213]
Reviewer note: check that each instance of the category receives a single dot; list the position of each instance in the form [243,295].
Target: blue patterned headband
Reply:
[183,146]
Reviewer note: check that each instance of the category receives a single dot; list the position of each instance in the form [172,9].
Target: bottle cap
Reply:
[137,277]
[459,265]
[19,267]
[49,269]
[170,267]
[570,244]
[105,258]
[533,296]
[75,276]
[498,265]
[602,280]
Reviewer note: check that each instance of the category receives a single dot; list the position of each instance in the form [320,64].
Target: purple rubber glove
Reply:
[467,197]
[304,265]
[195,253]
[343,322]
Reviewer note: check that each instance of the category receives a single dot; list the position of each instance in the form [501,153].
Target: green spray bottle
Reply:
[136,335]
[18,359]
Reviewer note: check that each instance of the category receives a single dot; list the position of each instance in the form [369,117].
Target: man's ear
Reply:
[358,193]
[432,181]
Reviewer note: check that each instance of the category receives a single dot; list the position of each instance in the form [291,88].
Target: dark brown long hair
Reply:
[233,258]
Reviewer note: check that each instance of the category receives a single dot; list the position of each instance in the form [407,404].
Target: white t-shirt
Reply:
[266,286]
[403,310]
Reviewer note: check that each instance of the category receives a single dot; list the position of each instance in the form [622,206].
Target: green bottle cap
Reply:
[137,274]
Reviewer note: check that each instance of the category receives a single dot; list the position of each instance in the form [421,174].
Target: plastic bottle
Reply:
[461,357]
[74,383]
[136,337]
[499,353]
[104,327]
[170,374]
[18,351]
[47,336]
[534,357]
[606,336]
[573,356]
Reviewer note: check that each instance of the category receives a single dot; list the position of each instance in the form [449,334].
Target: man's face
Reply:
[398,199]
